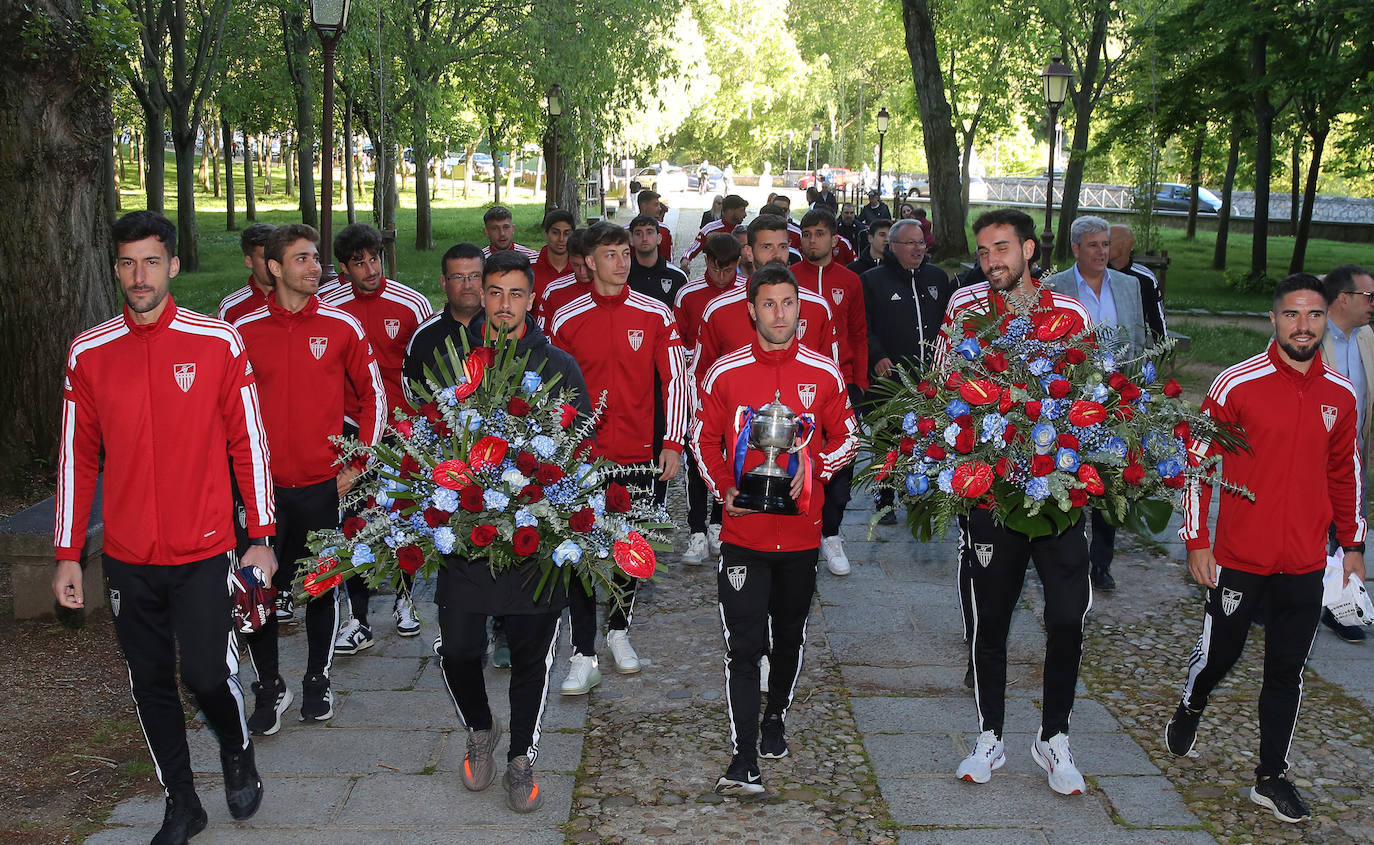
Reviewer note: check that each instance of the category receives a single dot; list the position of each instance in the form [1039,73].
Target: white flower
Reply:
[513,479]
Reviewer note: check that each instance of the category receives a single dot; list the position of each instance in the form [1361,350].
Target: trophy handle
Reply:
[805,442]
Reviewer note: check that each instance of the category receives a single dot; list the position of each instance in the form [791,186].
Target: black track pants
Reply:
[1295,605]
[997,568]
[765,598]
[300,510]
[698,497]
[158,611]
[533,639]
[1103,545]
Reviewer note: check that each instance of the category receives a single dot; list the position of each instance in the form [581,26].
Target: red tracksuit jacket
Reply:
[306,365]
[978,296]
[726,326]
[619,342]
[843,291]
[162,400]
[809,384]
[1303,467]
[389,315]
[241,303]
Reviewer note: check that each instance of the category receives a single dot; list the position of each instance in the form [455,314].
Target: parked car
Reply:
[482,164]
[839,178]
[664,180]
[1174,197]
[977,187]
[715,179]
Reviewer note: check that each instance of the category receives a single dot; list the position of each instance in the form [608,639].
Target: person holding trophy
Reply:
[773,424]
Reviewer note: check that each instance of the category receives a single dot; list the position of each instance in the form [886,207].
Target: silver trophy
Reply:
[767,487]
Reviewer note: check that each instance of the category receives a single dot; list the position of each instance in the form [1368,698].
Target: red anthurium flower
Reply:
[474,366]
[325,577]
[452,474]
[1091,480]
[490,451]
[1054,327]
[410,559]
[634,555]
[953,381]
[971,479]
[1084,413]
[980,392]
[890,461]
[1005,403]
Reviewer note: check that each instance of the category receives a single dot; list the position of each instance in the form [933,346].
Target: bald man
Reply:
[1120,257]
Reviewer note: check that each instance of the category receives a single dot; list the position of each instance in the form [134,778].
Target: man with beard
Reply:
[767,574]
[253,295]
[467,593]
[1006,244]
[1302,462]
[499,227]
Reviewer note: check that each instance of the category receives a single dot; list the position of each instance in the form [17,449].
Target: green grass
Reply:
[1220,346]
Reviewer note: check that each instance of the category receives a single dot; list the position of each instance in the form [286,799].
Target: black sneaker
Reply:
[968,674]
[1349,633]
[1278,794]
[772,740]
[1181,732]
[183,819]
[242,786]
[742,778]
[317,702]
[889,518]
[271,702]
[286,607]
[1102,579]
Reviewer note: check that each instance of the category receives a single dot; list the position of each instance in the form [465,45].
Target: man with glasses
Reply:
[461,269]
[904,301]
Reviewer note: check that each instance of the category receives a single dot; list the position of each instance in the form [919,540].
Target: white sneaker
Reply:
[407,623]
[438,643]
[626,661]
[989,754]
[582,675]
[353,637]
[696,550]
[764,667]
[832,549]
[1056,758]
[713,539]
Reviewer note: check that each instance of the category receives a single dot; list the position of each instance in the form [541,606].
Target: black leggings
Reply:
[1294,609]
[158,610]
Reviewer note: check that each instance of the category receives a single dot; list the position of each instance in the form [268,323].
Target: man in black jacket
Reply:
[467,593]
[904,300]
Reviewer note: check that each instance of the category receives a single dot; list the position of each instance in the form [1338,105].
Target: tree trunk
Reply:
[1309,196]
[111,191]
[419,141]
[495,163]
[64,242]
[937,129]
[350,162]
[155,158]
[289,164]
[184,147]
[227,141]
[1195,181]
[1264,153]
[119,150]
[1227,188]
[136,148]
[203,166]
[1082,93]
[210,136]
[1294,177]
[296,37]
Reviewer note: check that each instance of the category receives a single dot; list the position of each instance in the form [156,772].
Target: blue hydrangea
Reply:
[956,408]
[445,499]
[1053,409]
[946,480]
[567,552]
[362,554]
[1038,488]
[1100,393]
[1116,447]
[1157,442]
[970,348]
[587,475]
[382,499]
[909,422]
[1107,362]
[994,427]
[917,483]
[951,433]
[1148,373]
[495,500]
[1169,468]
[1144,398]
[417,523]
[449,396]
[1043,437]
[471,419]
[395,539]
[523,517]
[543,446]
[1066,460]
[597,503]
[444,540]
[1041,366]
[531,381]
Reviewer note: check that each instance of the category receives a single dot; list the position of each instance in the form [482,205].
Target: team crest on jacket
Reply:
[1230,600]
[114,602]
[837,294]
[736,575]
[186,376]
[393,328]
[317,346]
[983,551]
[933,291]
[801,328]
[666,283]
[636,337]
[807,394]
[1328,416]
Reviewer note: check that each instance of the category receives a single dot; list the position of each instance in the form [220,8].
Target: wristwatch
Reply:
[260,541]
[1358,547]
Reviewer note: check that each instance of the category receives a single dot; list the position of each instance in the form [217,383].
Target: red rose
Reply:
[526,463]
[925,426]
[359,461]
[451,474]
[1042,465]
[888,463]
[972,479]
[953,381]
[582,521]
[1068,441]
[1173,389]
[617,498]
[1075,355]
[430,411]
[964,442]
[525,542]
[1116,381]
[584,449]
[980,392]
[410,559]
[483,535]
[923,386]
[1129,392]
[935,452]
[485,354]
[1176,481]
[1084,413]
[1005,403]
[1133,475]
[1182,431]
[353,525]
[490,451]
[566,415]
[964,420]
[517,407]
[532,493]
[1123,412]
[435,517]
[1033,409]
[997,362]
[907,446]
[406,428]
[1059,388]
[1010,434]
[931,391]
[441,429]
[470,498]
[1002,467]
[547,474]
[1091,480]
[1078,497]
[409,466]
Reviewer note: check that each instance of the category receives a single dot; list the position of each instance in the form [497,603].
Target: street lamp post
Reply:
[1055,76]
[553,105]
[883,119]
[790,135]
[329,18]
[813,153]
